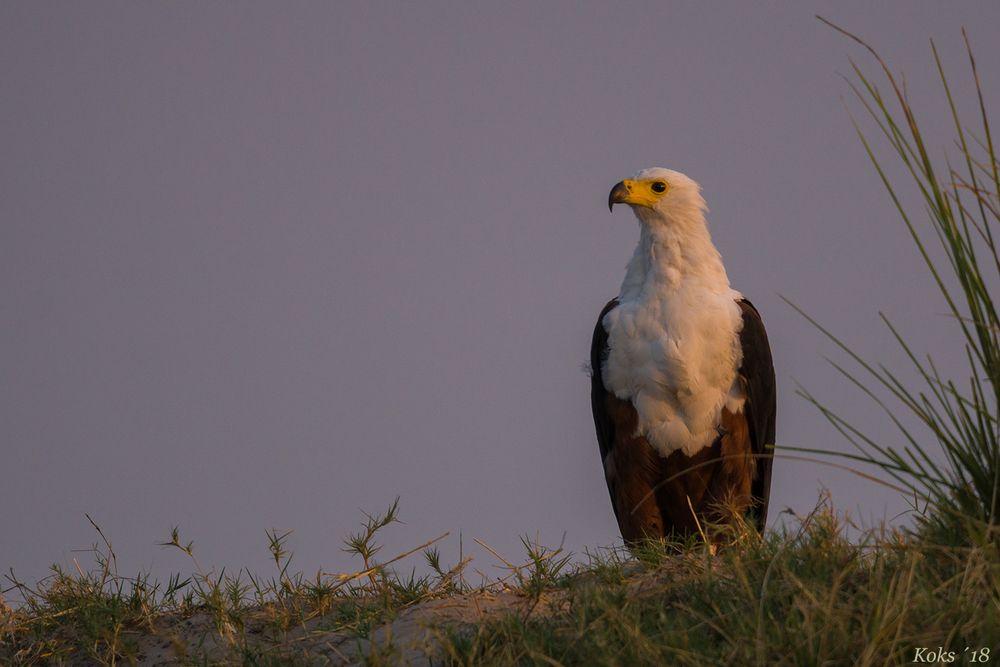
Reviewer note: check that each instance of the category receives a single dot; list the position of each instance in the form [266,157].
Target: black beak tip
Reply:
[617,195]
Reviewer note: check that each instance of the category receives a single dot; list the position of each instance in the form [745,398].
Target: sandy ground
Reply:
[410,638]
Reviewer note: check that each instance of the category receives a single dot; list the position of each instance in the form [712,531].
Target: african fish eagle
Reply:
[682,379]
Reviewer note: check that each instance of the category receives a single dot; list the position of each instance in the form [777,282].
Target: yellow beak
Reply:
[635,193]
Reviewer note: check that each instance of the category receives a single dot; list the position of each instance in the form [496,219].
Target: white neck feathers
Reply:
[669,254]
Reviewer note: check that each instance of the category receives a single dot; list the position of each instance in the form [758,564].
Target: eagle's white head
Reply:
[661,196]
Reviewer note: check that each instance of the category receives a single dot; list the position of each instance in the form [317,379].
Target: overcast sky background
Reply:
[268,265]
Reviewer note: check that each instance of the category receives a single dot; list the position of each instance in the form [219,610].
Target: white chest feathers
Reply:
[675,353]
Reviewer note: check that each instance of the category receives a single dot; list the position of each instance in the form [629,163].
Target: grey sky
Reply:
[266,265]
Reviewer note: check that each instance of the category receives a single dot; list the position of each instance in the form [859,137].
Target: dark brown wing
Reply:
[757,373]
[603,421]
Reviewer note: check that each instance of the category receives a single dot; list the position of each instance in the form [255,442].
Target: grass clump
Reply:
[95,608]
[99,616]
[949,459]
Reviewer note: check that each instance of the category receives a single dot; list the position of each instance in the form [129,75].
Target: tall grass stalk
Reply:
[961,211]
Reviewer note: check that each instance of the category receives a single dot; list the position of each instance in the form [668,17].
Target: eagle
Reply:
[682,380]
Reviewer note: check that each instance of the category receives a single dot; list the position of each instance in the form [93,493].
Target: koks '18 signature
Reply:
[939,655]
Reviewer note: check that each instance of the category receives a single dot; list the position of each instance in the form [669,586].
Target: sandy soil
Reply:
[410,638]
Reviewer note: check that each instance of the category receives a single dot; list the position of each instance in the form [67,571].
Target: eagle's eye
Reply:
[659,187]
